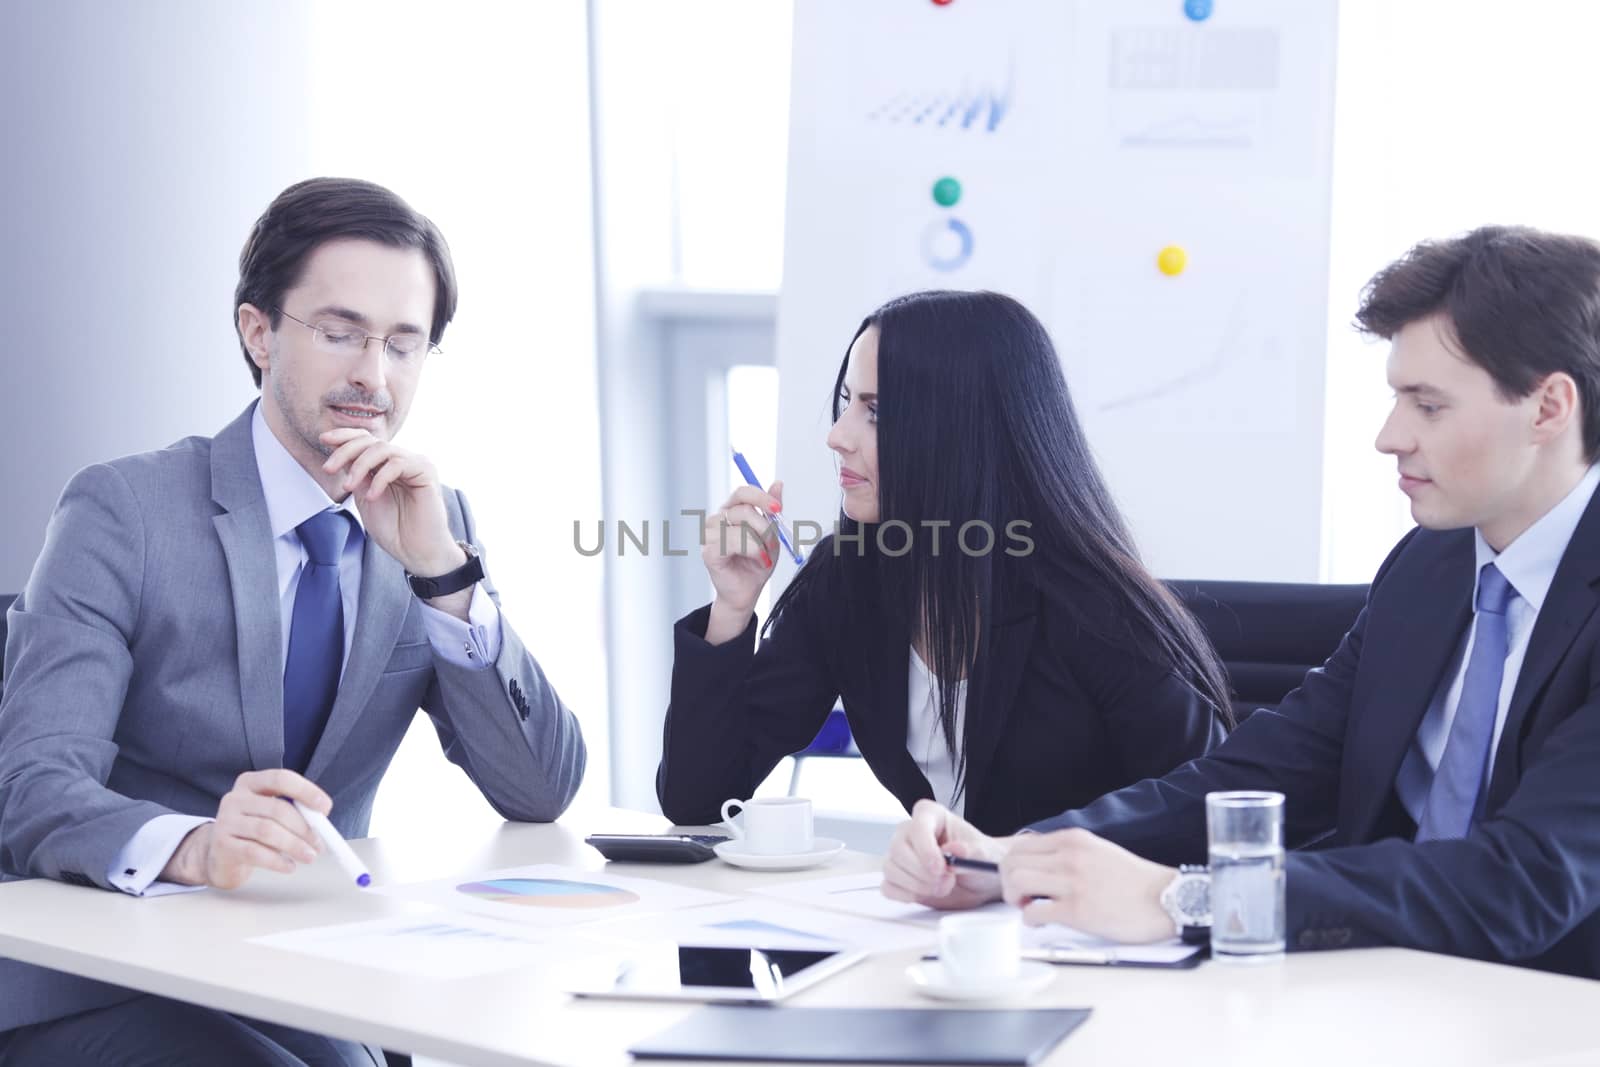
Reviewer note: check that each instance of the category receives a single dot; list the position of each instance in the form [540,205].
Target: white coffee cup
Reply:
[980,949]
[773,826]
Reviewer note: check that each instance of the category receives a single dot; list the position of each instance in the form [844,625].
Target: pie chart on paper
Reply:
[548,893]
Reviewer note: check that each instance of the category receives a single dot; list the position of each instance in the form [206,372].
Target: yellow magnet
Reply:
[1171,261]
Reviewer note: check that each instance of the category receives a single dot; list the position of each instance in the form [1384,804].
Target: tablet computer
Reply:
[666,971]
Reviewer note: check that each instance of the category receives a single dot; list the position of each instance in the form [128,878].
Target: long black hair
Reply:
[975,423]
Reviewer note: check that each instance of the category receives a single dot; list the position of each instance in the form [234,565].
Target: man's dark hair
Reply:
[312,212]
[1520,303]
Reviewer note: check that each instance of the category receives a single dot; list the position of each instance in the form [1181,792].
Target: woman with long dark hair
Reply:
[981,611]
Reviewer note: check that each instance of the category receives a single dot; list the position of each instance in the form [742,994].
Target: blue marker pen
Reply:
[783,536]
[338,848]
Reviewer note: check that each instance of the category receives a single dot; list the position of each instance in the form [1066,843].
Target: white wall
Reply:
[1450,114]
[689,130]
[136,160]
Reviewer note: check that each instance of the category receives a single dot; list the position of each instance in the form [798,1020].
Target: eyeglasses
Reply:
[339,338]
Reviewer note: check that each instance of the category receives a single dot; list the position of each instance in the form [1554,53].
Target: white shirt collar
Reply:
[293,496]
[1529,563]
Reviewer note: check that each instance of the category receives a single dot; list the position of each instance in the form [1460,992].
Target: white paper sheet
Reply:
[436,945]
[859,894]
[1043,939]
[767,924]
[551,895]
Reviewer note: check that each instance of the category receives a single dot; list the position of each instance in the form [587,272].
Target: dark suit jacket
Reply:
[1524,885]
[1071,715]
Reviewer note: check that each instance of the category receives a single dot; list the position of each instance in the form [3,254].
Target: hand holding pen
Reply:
[777,523]
[336,845]
[737,547]
[938,859]
[271,820]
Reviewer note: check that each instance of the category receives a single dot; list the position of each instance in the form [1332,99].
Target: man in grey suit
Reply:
[233,621]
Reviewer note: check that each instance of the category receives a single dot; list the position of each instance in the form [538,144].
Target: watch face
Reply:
[1191,898]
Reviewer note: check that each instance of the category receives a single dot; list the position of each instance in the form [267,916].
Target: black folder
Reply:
[863,1035]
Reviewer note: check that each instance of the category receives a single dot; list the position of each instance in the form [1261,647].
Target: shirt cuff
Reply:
[474,644]
[143,858]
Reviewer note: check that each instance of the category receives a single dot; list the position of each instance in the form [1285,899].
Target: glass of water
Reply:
[1244,833]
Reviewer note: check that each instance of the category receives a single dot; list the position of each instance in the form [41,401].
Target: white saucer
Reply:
[931,981]
[823,849]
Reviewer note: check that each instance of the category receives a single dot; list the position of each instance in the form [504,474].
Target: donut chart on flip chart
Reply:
[548,893]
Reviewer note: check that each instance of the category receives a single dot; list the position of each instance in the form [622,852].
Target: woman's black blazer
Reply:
[1071,714]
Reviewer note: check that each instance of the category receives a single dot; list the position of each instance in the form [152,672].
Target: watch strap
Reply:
[469,573]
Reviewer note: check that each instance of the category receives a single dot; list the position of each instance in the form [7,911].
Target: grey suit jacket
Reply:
[143,674]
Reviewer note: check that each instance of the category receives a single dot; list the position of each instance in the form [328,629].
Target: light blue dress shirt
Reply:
[293,496]
[1529,564]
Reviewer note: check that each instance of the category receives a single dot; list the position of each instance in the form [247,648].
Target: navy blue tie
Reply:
[316,638]
[1457,781]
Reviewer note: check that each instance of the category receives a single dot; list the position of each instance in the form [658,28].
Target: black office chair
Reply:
[1269,634]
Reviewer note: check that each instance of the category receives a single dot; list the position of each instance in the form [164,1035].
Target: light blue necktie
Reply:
[1459,778]
[316,638]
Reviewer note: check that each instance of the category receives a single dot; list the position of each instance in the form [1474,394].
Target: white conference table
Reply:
[1367,1006]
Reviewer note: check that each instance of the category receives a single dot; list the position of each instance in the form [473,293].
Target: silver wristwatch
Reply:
[1187,899]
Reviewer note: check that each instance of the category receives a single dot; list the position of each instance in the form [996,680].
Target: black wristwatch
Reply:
[454,581]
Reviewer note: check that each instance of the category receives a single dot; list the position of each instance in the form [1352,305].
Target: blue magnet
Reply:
[1197,10]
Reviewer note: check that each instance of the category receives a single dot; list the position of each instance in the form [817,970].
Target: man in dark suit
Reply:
[1448,754]
[234,621]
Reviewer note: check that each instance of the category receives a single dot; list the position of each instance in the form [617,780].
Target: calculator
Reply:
[656,848]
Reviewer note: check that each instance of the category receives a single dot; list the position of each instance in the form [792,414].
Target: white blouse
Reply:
[924,738]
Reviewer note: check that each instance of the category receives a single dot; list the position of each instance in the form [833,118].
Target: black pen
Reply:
[990,868]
